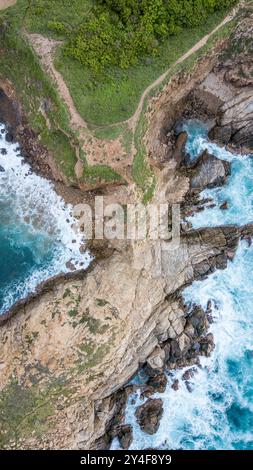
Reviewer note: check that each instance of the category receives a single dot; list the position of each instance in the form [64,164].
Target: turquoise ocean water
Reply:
[37,238]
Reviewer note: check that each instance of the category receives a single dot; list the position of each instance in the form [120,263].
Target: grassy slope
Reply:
[20,65]
[112,100]
[116,98]
[141,171]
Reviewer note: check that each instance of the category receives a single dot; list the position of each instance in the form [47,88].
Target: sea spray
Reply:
[238,192]
[218,412]
[37,238]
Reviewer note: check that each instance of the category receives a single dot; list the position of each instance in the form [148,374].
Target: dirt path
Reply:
[45,48]
[6,3]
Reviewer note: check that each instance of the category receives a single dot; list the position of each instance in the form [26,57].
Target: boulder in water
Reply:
[156,384]
[70,265]
[209,172]
[175,385]
[149,415]
[125,436]
[9,137]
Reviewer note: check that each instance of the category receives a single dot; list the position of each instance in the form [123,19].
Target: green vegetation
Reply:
[46,113]
[91,174]
[142,174]
[39,97]
[118,33]
[101,173]
[23,411]
[95,354]
[141,171]
[109,92]
[116,98]
[73,312]
[111,52]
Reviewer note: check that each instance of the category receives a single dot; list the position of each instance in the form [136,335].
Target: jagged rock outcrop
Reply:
[149,415]
[69,349]
[235,120]
[209,172]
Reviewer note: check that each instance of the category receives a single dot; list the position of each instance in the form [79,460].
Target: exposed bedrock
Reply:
[76,349]
[234,123]
[209,171]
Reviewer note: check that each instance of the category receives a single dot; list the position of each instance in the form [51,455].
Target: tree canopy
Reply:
[120,32]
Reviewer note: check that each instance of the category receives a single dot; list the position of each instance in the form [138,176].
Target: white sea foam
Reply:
[33,205]
[199,420]
[218,413]
[237,191]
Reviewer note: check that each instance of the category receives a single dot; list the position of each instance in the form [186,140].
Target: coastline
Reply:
[216,256]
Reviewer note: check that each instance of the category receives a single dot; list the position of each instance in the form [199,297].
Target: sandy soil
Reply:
[6,3]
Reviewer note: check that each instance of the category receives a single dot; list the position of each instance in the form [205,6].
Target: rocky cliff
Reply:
[66,351]
[70,348]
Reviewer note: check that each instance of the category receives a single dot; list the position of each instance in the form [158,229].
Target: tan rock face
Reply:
[69,349]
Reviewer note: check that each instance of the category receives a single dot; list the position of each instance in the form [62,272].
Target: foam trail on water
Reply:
[36,228]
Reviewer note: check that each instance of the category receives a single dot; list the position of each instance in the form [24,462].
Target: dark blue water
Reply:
[36,231]
[218,414]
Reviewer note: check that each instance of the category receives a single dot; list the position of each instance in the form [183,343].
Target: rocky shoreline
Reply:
[230,124]
[50,340]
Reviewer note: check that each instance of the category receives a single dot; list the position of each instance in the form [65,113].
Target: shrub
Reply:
[120,32]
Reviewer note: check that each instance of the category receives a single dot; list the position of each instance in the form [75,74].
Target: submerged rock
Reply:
[175,385]
[224,205]
[149,415]
[156,384]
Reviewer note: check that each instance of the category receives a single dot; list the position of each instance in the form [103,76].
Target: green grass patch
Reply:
[23,411]
[116,99]
[110,132]
[141,171]
[93,174]
[46,113]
